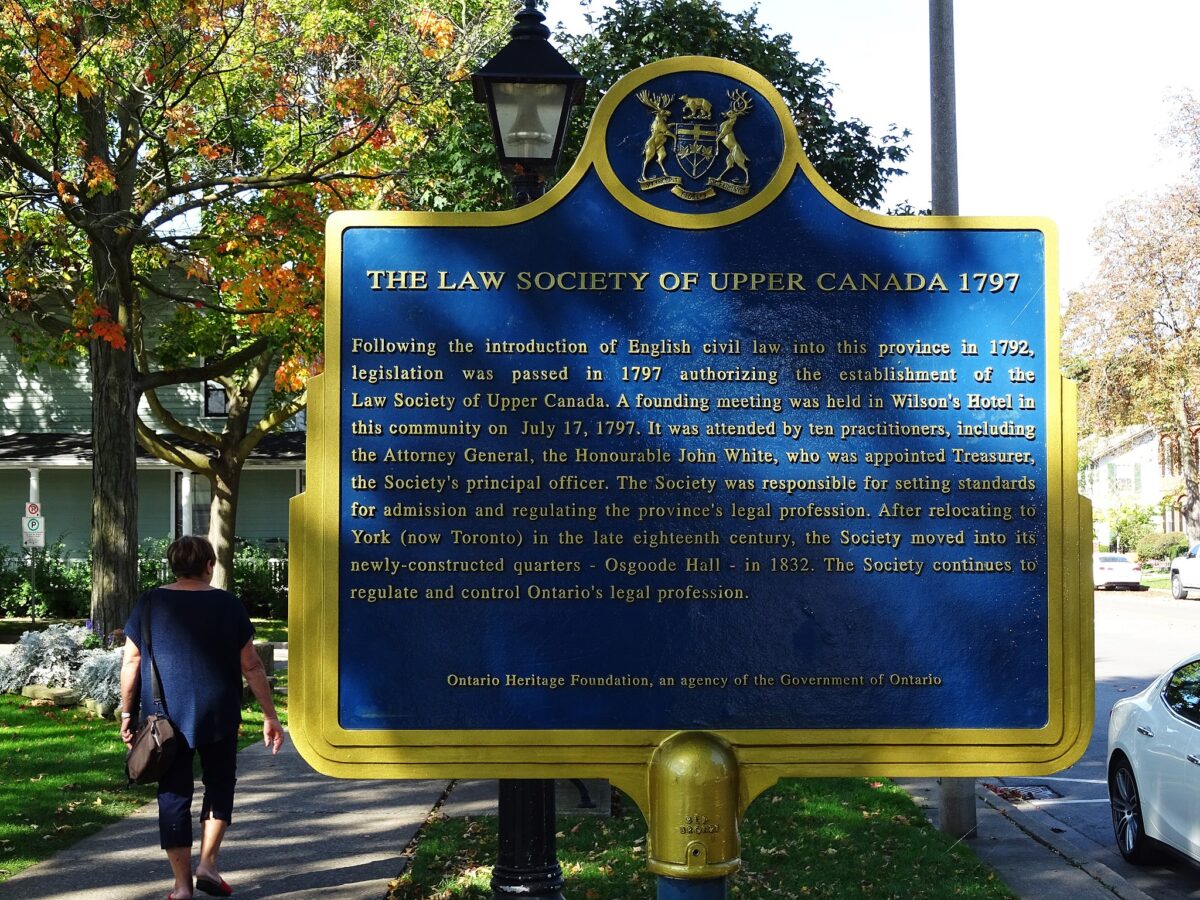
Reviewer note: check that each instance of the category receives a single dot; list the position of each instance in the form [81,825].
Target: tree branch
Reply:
[184,298]
[148,381]
[169,451]
[269,423]
[175,426]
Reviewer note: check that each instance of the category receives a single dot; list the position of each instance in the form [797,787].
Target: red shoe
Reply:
[216,888]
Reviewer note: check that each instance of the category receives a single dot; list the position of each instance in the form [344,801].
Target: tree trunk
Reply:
[1190,510]
[222,522]
[1189,465]
[114,484]
[114,390]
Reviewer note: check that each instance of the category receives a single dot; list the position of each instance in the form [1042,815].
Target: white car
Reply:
[1154,766]
[1185,573]
[1115,570]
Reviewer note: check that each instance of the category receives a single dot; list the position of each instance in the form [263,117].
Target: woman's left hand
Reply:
[272,734]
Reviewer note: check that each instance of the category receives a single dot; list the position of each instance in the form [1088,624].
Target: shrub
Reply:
[43,582]
[59,656]
[62,588]
[11,578]
[152,563]
[25,601]
[1162,546]
[64,584]
[1129,524]
[16,669]
[99,675]
[256,581]
[48,657]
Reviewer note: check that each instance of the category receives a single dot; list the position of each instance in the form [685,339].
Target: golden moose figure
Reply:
[738,107]
[660,132]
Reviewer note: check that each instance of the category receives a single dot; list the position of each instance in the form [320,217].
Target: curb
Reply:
[1063,840]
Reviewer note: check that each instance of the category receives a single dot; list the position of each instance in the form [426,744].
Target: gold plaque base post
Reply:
[694,844]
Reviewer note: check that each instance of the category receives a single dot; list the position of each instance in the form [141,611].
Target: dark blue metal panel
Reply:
[775,610]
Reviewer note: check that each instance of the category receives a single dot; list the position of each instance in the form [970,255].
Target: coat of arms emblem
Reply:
[698,143]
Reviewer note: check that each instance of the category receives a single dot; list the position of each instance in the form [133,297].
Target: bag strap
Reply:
[155,681]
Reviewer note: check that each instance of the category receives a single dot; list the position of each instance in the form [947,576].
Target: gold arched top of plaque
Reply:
[688,134]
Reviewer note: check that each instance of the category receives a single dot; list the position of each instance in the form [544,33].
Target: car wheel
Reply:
[1128,825]
[1178,591]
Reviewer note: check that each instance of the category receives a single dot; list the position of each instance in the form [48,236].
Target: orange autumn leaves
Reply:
[53,64]
[436,31]
[268,266]
[93,322]
[233,98]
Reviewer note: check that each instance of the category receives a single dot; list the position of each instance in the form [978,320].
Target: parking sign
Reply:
[33,530]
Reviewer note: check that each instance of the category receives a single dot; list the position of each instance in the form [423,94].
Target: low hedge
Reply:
[1162,546]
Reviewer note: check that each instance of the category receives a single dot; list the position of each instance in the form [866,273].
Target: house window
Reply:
[1124,478]
[216,399]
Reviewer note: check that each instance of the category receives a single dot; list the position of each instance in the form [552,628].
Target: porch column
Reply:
[185,503]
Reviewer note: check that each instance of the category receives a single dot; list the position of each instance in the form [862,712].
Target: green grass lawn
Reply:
[62,776]
[270,630]
[833,838]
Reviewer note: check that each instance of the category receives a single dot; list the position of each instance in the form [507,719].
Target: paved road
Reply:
[1138,636]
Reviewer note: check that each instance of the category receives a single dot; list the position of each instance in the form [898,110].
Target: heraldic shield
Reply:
[698,144]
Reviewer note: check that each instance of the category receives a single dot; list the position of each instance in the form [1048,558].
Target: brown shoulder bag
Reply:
[153,747]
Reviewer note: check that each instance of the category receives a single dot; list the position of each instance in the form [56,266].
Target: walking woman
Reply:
[202,643]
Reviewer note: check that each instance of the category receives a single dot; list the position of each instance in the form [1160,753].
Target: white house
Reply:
[46,453]
[1134,467]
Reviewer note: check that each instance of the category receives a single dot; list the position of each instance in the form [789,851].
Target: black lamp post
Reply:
[529,89]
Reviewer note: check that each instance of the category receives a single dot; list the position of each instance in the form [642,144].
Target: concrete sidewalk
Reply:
[295,835]
[1036,856]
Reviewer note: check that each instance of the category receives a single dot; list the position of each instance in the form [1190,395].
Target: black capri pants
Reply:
[218,767]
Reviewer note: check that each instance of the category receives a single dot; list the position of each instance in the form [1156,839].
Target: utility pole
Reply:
[956,796]
[943,122]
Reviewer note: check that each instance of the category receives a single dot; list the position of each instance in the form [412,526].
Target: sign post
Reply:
[692,476]
[33,537]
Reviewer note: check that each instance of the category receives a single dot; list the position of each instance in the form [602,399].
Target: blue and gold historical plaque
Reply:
[690,444]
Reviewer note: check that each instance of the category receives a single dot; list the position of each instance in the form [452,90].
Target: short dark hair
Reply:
[189,556]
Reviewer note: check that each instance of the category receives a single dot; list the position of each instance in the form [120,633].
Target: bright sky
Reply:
[1062,104]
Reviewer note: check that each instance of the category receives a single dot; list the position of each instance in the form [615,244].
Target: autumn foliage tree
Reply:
[165,170]
[1132,334]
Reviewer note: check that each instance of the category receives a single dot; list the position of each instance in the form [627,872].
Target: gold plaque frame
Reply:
[623,756]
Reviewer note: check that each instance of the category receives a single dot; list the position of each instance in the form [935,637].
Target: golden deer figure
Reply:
[739,106]
[660,131]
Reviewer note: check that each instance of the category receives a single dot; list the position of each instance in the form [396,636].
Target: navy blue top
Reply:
[197,639]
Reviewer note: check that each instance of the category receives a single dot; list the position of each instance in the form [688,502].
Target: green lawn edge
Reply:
[62,776]
[835,838]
